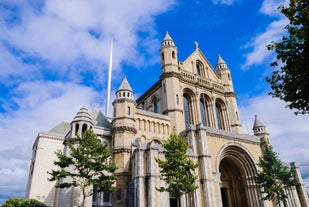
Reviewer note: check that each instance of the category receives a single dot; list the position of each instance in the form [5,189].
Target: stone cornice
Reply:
[122,129]
[226,134]
[152,114]
[122,100]
[230,94]
[121,150]
[172,110]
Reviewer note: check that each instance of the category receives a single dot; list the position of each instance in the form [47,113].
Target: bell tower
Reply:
[169,52]
[170,84]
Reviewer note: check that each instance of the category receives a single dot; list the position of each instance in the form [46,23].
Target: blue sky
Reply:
[54,59]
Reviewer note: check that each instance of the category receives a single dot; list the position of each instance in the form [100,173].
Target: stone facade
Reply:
[191,98]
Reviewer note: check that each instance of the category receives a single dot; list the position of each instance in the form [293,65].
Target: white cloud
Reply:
[259,52]
[77,32]
[288,132]
[270,7]
[226,2]
[274,31]
[41,106]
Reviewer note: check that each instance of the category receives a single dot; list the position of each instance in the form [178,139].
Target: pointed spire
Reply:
[259,128]
[125,86]
[221,64]
[167,41]
[257,122]
[125,90]
[167,36]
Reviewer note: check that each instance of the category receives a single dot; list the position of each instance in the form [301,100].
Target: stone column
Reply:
[206,176]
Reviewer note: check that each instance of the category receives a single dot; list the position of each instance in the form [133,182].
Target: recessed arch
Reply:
[237,168]
[188,107]
[221,114]
[155,104]
[205,109]
[200,69]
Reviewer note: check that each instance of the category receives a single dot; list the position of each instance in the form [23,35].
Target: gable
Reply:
[198,64]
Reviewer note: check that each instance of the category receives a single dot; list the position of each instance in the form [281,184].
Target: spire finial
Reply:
[196,44]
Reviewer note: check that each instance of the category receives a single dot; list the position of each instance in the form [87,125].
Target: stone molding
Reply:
[122,129]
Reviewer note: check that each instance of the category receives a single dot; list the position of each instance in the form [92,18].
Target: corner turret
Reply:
[225,74]
[221,64]
[81,122]
[259,128]
[169,58]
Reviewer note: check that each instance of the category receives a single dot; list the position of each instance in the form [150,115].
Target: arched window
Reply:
[84,128]
[198,69]
[173,54]
[129,110]
[155,105]
[186,108]
[204,111]
[219,116]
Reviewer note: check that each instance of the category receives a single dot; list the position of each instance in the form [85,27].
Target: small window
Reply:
[162,56]
[155,105]
[118,194]
[124,94]
[177,99]
[129,110]
[84,128]
[106,197]
[128,94]
[173,54]
[198,69]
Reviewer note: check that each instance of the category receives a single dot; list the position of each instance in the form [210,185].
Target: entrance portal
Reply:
[232,183]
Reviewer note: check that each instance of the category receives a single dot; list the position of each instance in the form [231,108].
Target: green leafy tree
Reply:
[177,169]
[19,202]
[290,83]
[273,177]
[12,202]
[91,163]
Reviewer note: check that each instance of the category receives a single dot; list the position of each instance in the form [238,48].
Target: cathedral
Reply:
[191,98]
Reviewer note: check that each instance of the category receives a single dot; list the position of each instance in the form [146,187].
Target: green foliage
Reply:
[177,170]
[19,202]
[274,177]
[291,82]
[91,163]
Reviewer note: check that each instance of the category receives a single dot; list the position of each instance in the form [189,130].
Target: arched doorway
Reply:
[232,184]
[237,169]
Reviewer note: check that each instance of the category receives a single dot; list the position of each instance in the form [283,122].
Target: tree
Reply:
[91,163]
[274,177]
[290,83]
[177,170]
[19,202]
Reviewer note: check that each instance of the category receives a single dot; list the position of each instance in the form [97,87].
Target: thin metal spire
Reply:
[109,80]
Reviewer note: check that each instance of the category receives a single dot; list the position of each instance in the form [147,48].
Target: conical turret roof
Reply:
[257,123]
[221,63]
[167,41]
[125,86]
[167,36]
